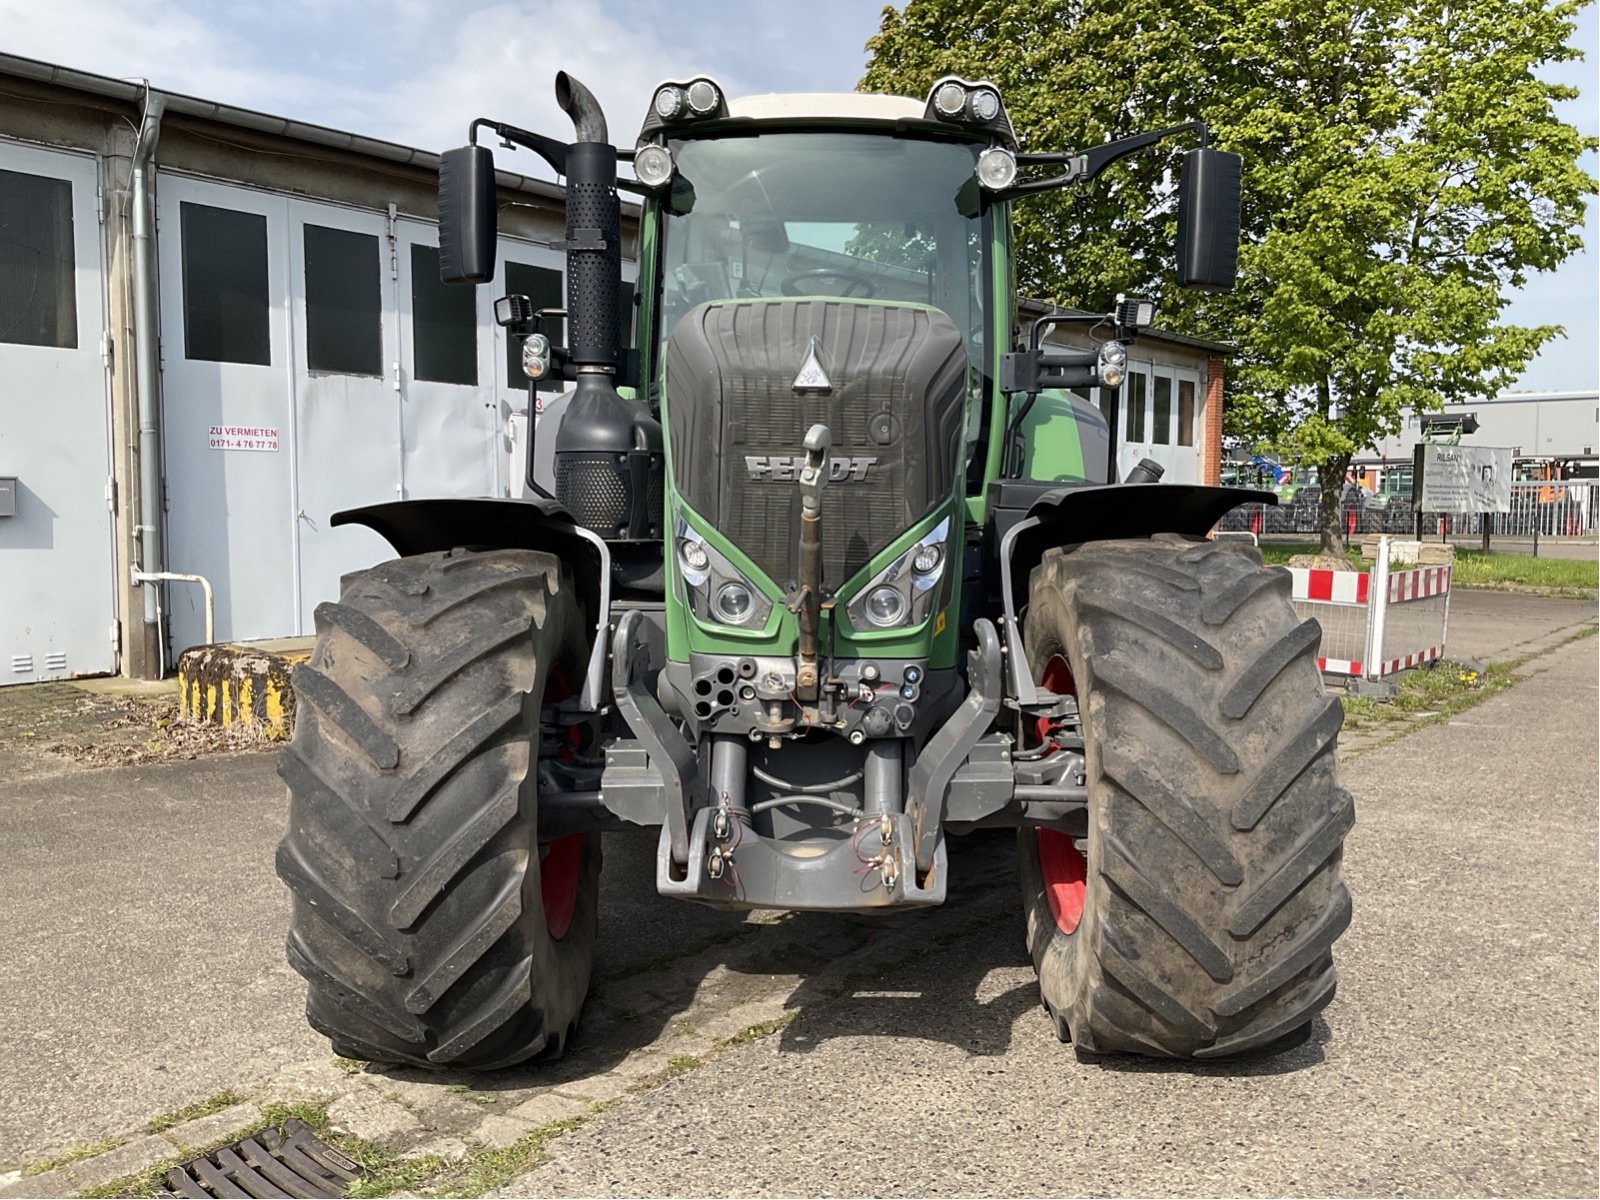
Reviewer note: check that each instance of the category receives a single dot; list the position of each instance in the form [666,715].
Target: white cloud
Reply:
[502,61]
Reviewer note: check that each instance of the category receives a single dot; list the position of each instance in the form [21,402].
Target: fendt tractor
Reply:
[833,566]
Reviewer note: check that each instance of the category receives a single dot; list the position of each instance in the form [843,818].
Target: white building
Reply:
[300,356]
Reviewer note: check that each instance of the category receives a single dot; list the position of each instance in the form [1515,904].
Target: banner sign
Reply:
[1461,479]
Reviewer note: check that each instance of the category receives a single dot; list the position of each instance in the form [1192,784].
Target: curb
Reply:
[242,683]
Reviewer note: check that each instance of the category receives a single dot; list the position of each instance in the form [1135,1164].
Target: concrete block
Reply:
[547,1107]
[314,1079]
[374,1118]
[48,1185]
[202,1134]
[451,1149]
[241,683]
[127,1159]
[498,1132]
[734,1021]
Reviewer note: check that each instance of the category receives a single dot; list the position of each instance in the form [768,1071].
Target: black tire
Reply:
[413,855]
[1211,893]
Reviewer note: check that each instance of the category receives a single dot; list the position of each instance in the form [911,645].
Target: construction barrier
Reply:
[1377,622]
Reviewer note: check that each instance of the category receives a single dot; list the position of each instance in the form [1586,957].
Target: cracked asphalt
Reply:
[144,944]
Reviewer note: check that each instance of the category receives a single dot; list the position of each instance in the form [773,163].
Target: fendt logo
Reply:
[785,468]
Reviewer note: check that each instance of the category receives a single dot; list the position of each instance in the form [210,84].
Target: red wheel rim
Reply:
[559,870]
[1062,867]
[561,862]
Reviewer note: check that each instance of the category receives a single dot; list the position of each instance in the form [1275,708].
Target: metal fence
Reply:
[1560,509]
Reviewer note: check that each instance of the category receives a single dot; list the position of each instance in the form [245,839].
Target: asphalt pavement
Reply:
[144,952]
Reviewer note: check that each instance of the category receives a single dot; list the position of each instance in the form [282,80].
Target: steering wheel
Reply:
[858,285]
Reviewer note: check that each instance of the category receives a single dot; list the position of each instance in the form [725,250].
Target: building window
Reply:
[38,295]
[344,302]
[225,309]
[543,286]
[444,324]
[1163,412]
[1185,412]
[1135,385]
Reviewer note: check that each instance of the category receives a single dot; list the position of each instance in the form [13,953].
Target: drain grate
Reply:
[267,1164]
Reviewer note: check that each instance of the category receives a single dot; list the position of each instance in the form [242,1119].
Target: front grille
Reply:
[898,377]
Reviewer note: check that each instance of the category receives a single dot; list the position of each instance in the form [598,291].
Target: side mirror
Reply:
[1208,220]
[466,215]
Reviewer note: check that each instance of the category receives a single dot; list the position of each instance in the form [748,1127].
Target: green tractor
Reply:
[846,571]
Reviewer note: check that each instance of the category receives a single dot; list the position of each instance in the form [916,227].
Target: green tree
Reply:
[1404,170]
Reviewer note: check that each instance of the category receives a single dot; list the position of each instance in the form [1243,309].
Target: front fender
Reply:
[426,526]
[1073,516]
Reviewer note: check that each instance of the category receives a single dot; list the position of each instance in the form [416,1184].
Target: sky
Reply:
[417,71]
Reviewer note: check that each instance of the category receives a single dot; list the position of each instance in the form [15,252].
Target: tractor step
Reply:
[267,1164]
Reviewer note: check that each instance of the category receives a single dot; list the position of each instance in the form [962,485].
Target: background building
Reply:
[299,356]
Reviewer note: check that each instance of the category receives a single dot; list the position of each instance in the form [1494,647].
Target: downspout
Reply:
[147,341]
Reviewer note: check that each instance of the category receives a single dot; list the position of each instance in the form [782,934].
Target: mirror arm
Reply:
[547,148]
[1084,165]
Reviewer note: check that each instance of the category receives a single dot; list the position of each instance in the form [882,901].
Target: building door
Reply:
[227,410]
[347,408]
[57,589]
[451,433]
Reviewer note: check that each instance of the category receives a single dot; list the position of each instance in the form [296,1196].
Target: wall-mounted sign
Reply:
[1461,479]
[244,437]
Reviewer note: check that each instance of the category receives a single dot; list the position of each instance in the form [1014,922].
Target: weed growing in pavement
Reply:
[72,1155]
[756,1032]
[193,1112]
[1425,697]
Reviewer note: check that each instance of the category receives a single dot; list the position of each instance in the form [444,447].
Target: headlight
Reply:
[734,603]
[653,165]
[694,555]
[903,592]
[1113,363]
[886,606]
[986,104]
[669,102]
[703,97]
[536,356]
[716,590]
[997,168]
[950,98]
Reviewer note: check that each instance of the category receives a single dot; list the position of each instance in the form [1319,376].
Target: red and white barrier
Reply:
[1378,622]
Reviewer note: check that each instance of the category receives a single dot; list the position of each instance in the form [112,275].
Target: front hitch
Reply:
[807,601]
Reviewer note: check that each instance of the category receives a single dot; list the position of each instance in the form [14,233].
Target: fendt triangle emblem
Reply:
[812,380]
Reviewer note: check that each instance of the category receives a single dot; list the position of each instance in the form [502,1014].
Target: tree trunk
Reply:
[1331,486]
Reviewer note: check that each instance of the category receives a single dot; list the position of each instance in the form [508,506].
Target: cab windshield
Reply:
[858,215]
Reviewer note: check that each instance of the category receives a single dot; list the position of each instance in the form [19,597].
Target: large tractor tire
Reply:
[431,924]
[1197,918]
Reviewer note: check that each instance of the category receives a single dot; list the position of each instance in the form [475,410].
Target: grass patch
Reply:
[1517,572]
[74,1154]
[756,1032]
[481,1171]
[1427,697]
[1441,692]
[193,1112]
[678,1064]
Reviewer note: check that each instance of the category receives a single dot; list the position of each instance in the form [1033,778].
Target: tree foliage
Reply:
[1404,169]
